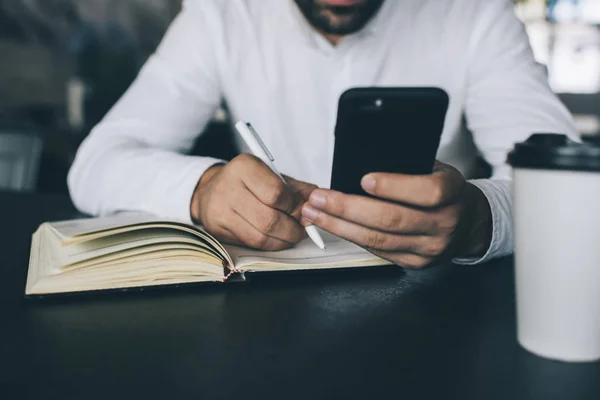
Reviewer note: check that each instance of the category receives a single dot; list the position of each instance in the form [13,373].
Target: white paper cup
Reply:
[557,247]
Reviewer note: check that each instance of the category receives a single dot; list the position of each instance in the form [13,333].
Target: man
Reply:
[282,64]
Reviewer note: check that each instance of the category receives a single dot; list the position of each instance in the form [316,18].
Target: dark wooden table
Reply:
[443,333]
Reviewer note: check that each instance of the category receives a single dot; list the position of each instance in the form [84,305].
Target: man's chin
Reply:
[340,24]
[339,17]
[340,3]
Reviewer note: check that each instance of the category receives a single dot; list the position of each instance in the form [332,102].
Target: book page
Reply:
[120,225]
[137,258]
[85,226]
[305,255]
[140,239]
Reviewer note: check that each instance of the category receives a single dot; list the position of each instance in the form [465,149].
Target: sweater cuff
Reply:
[499,195]
[173,198]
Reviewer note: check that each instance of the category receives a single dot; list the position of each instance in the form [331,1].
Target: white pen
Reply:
[258,148]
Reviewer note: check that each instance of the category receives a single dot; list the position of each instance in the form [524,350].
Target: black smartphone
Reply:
[388,129]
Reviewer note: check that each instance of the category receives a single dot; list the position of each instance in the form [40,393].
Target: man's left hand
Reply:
[414,221]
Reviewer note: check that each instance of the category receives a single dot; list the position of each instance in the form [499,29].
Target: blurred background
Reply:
[64,63]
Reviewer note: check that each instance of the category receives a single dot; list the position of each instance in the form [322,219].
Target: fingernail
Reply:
[310,213]
[305,222]
[368,183]
[317,200]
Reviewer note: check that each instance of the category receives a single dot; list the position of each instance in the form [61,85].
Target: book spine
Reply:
[231,273]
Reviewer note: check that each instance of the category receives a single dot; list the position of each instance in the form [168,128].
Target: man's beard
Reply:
[338,20]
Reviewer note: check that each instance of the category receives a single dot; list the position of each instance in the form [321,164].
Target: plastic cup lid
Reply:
[555,151]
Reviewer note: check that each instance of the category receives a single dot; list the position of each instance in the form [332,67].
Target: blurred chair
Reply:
[20,155]
[32,76]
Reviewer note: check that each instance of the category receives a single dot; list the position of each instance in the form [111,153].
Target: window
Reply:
[565,36]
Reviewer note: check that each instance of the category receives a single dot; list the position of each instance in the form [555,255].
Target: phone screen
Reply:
[395,130]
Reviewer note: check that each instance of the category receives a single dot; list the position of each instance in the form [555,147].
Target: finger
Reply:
[428,191]
[303,189]
[367,238]
[373,213]
[305,222]
[251,237]
[270,221]
[226,236]
[268,187]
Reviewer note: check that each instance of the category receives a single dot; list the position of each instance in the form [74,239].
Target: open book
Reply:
[139,250]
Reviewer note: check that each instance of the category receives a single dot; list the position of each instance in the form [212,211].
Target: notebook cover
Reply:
[234,278]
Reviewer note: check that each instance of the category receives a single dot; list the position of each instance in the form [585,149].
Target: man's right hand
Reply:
[245,203]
